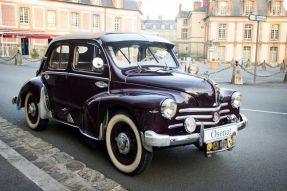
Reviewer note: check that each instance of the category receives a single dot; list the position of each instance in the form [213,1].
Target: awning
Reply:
[27,35]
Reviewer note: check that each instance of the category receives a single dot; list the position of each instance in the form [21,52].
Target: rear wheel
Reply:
[32,113]
[124,146]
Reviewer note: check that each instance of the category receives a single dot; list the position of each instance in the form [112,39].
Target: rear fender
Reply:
[38,89]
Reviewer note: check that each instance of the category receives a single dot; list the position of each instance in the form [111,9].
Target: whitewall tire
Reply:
[32,113]
[124,145]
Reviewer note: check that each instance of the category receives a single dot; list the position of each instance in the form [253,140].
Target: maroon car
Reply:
[129,90]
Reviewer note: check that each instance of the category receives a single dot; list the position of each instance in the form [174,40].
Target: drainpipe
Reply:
[105,16]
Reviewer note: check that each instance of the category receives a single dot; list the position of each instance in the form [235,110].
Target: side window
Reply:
[60,58]
[84,55]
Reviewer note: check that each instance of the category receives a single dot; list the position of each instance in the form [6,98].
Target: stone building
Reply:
[32,24]
[190,35]
[163,28]
[232,36]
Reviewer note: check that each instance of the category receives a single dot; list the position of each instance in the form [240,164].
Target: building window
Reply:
[51,18]
[249,8]
[273,54]
[248,32]
[118,4]
[96,21]
[246,53]
[185,22]
[276,8]
[223,8]
[24,15]
[75,19]
[184,33]
[96,2]
[275,32]
[117,24]
[221,31]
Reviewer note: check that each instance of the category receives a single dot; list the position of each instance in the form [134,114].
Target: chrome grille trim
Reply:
[175,125]
[203,109]
[194,116]
[224,111]
[197,123]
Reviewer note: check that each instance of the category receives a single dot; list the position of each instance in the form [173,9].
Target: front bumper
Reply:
[153,139]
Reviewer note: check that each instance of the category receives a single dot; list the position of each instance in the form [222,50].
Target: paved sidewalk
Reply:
[49,162]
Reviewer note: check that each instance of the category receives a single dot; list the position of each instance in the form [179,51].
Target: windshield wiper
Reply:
[166,66]
[139,66]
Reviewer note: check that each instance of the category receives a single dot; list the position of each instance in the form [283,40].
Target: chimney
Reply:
[160,17]
[196,5]
[140,5]
[179,8]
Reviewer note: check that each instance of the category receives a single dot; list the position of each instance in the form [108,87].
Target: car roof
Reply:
[112,37]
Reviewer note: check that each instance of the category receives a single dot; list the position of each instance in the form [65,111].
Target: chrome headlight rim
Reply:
[168,108]
[236,100]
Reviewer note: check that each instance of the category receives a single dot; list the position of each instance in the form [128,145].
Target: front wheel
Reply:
[32,113]
[124,146]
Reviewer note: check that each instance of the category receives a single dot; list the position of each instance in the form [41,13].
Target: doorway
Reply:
[25,46]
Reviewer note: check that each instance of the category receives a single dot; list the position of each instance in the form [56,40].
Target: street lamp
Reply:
[258,18]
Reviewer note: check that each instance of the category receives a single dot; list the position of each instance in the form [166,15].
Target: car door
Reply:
[56,81]
[85,80]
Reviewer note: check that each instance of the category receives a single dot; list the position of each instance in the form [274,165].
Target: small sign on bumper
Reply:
[219,133]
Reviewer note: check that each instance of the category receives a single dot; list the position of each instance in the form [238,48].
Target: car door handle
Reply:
[46,76]
[101,84]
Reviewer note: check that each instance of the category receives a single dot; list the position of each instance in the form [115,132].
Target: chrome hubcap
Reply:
[123,143]
[32,109]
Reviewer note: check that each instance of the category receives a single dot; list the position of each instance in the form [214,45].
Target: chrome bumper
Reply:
[153,139]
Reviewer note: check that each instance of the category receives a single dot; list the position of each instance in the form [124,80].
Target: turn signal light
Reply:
[209,146]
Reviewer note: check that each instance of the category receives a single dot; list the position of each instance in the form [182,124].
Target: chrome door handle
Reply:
[101,84]
[46,76]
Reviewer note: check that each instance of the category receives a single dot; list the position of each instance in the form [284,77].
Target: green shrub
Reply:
[34,53]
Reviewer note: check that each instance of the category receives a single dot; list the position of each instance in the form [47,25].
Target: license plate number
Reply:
[219,133]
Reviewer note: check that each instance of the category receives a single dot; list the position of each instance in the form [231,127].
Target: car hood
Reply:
[201,89]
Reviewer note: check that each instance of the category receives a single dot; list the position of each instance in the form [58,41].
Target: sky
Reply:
[168,9]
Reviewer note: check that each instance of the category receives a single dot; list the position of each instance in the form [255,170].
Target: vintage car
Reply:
[129,90]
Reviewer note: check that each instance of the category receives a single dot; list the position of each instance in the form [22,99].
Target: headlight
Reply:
[236,100]
[168,108]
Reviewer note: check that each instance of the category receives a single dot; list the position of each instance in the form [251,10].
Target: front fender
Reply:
[142,107]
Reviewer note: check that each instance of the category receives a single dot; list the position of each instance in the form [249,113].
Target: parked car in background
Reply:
[129,90]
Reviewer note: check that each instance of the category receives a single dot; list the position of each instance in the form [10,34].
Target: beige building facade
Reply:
[31,24]
[230,35]
[190,38]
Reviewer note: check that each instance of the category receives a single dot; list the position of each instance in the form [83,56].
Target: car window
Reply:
[149,55]
[60,58]
[84,55]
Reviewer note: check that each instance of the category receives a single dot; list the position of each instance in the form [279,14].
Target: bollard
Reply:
[283,66]
[285,70]
[264,65]
[236,75]
[18,58]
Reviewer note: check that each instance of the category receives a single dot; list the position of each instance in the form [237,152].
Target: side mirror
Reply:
[98,63]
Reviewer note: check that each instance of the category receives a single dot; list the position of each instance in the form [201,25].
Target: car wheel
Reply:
[124,145]
[32,113]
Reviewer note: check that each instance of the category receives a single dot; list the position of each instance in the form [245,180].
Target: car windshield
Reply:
[134,55]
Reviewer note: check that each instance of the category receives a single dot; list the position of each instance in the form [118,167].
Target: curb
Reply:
[62,167]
